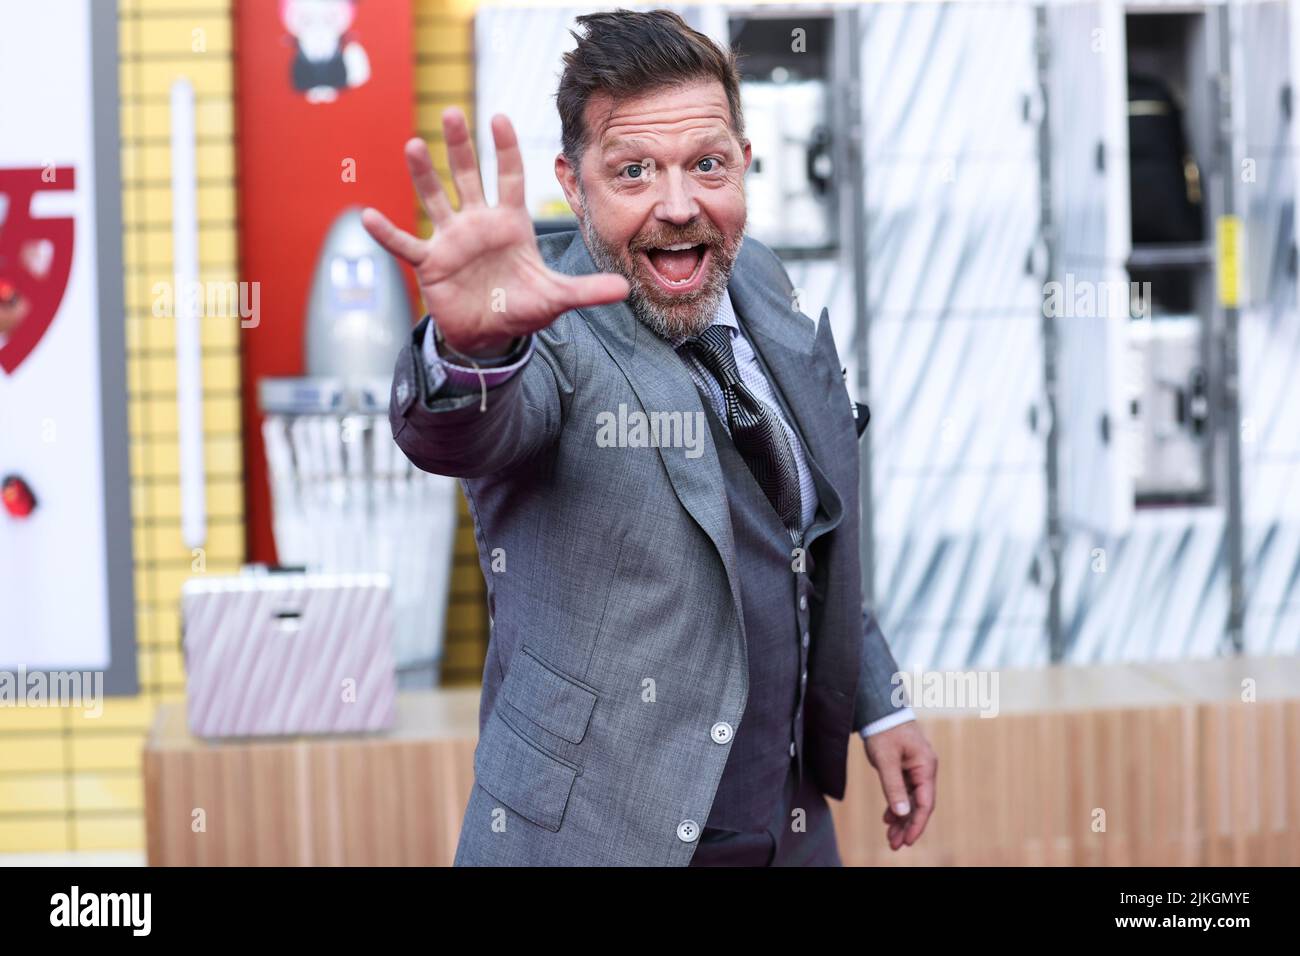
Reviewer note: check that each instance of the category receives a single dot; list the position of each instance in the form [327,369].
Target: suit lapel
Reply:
[800,359]
[662,383]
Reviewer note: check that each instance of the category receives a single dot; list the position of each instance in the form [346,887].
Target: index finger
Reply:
[510,164]
[427,185]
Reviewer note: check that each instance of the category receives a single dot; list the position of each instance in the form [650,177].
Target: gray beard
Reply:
[684,320]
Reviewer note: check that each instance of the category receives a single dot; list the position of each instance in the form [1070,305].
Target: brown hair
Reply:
[629,52]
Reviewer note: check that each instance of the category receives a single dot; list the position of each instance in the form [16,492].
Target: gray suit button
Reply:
[721,732]
[805,639]
[803,602]
[688,831]
[792,748]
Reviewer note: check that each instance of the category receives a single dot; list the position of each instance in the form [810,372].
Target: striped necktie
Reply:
[755,430]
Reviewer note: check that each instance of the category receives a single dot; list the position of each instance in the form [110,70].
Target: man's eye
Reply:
[633,170]
[713,164]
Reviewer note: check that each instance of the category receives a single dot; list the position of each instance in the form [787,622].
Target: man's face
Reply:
[660,197]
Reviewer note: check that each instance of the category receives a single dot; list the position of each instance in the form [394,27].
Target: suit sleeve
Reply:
[473,434]
[876,686]
[446,376]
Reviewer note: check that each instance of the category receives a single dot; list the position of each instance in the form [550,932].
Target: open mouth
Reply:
[679,267]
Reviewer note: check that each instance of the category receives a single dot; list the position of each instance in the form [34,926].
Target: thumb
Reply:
[891,781]
[595,289]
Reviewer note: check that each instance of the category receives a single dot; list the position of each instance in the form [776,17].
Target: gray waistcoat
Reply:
[770,735]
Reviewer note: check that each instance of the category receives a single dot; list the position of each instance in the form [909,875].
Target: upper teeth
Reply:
[680,246]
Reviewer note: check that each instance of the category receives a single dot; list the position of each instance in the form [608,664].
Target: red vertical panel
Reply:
[293,155]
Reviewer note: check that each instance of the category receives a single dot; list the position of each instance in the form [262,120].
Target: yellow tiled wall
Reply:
[70,782]
[444,76]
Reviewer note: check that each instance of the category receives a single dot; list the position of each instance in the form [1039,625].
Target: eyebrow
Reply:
[641,144]
[627,142]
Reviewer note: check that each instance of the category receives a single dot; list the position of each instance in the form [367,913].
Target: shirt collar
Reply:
[726,315]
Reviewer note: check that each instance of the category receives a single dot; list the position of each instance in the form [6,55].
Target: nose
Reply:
[677,203]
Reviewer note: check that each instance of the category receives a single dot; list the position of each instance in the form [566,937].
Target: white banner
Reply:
[54,591]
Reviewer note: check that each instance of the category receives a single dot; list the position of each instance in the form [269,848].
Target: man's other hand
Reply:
[907,767]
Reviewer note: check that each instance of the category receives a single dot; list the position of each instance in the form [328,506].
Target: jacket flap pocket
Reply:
[554,701]
[534,784]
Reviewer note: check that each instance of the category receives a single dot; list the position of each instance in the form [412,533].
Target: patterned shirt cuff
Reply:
[884,723]
[463,378]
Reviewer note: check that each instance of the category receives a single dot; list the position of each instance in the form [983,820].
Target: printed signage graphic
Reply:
[327,59]
[35,258]
[66,600]
[331,84]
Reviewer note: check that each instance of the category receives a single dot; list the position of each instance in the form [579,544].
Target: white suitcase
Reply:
[281,654]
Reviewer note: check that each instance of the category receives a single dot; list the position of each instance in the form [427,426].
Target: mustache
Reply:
[701,234]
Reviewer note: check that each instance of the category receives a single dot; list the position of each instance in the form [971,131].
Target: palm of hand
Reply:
[483,273]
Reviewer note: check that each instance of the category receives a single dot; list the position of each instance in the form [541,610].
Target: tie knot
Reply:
[713,346]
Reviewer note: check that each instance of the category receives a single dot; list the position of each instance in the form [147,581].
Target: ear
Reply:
[567,177]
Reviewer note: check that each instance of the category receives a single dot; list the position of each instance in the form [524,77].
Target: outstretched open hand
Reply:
[481,274]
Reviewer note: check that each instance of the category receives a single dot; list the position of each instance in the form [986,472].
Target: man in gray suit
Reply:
[661,458]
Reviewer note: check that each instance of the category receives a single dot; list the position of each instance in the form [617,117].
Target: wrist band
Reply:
[442,347]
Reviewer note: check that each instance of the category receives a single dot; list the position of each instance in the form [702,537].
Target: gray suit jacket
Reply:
[617,640]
